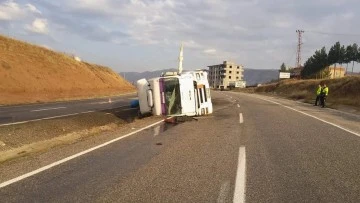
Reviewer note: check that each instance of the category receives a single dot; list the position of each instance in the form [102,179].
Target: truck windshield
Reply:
[172,96]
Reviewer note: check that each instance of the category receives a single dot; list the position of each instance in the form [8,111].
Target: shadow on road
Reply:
[127,115]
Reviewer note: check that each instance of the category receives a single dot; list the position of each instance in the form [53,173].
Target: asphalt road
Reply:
[21,113]
[249,149]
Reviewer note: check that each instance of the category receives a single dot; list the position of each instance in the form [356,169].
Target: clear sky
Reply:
[144,35]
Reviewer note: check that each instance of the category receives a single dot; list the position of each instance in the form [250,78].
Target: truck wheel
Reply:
[140,116]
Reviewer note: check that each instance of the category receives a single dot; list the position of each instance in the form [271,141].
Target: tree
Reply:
[348,55]
[354,56]
[358,56]
[325,74]
[334,55]
[342,54]
[315,64]
[283,67]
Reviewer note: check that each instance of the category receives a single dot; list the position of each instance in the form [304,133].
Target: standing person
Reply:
[324,93]
[318,92]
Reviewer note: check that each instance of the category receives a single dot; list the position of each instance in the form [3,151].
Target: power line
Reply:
[328,33]
[291,58]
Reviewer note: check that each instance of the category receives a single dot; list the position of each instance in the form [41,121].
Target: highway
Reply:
[24,113]
[252,149]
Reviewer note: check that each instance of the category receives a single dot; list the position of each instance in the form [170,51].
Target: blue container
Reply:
[134,104]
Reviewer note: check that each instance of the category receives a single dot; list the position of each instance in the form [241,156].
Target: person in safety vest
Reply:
[318,92]
[324,93]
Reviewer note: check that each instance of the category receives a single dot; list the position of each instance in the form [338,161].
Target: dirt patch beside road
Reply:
[344,93]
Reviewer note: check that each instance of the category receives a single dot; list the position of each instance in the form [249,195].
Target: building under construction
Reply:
[226,75]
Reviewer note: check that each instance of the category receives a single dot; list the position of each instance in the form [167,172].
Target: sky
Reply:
[145,35]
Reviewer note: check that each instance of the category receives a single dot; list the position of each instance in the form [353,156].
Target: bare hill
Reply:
[30,73]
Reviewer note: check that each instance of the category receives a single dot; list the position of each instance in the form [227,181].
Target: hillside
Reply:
[343,92]
[251,76]
[135,76]
[260,76]
[30,73]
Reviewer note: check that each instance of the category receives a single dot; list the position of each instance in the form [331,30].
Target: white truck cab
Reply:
[176,93]
[181,95]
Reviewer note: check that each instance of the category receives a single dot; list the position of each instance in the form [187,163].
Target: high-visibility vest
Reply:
[325,91]
[318,91]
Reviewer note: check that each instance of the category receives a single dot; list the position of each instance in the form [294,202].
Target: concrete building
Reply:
[226,75]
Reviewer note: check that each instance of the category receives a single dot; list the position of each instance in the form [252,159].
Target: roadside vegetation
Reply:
[343,92]
[315,66]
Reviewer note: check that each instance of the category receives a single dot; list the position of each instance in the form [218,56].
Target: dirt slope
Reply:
[342,92]
[30,73]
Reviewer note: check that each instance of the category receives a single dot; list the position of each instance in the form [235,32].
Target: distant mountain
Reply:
[251,76]
[259,76]
[134,76]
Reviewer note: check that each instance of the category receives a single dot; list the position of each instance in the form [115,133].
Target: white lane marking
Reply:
[238,105]
[241,118]
[333,124]
[106,102]
[103,102]
[62,102]
[52,117]
[14,180]
[47,118]
[47,109]
[224,191]
[240,183]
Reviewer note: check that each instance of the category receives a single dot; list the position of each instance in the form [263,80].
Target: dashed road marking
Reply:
[60,116]
[238,105]
[241,118]
[240,182]
[48,109]
[47,118]
[103,102]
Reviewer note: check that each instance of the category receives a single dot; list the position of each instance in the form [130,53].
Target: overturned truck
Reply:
[187,94]
[176,93]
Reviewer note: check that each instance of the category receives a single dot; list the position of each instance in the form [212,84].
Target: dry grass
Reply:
[342,91]
[30,73]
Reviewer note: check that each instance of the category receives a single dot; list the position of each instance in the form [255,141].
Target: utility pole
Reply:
[298,54]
